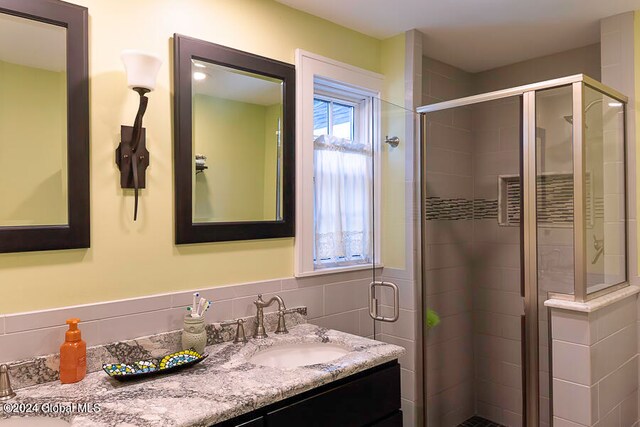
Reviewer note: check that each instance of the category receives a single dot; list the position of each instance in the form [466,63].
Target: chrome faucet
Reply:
[260,306]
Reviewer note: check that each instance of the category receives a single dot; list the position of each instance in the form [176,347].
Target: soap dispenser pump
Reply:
[73,355]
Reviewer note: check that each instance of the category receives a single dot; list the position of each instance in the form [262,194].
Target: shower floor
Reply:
[479,422]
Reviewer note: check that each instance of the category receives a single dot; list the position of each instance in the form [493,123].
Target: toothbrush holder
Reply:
[194,334]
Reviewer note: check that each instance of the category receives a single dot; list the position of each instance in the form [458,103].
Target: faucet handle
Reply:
[282,325]
[6,392]
[240,336]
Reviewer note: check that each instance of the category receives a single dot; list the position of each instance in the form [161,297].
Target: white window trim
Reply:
[309,67]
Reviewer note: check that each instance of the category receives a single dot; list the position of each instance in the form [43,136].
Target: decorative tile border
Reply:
[554,203]
[441,209]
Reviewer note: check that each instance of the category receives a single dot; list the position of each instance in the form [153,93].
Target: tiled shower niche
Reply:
[554,200]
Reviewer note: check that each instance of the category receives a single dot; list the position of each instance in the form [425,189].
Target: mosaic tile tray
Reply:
[144,368]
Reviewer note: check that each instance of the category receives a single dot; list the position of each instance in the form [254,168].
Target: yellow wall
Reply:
[33,142]
[127,258]
[393,159]
[232,135]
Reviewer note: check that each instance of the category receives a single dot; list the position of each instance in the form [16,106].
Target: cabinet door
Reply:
[394,420]
[354,404]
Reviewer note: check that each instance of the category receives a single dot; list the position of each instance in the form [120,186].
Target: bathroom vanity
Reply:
[369,398]
[311,376]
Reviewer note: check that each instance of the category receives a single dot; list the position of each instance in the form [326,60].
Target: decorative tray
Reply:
[144,368]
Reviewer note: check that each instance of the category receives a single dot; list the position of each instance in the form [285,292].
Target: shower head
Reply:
[569,119]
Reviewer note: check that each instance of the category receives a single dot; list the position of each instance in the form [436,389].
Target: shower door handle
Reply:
[373,301]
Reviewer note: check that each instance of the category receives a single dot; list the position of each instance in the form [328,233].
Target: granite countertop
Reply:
[221,387]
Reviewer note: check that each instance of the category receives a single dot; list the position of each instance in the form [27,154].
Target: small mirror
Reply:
[234,144]
[237,123]
[33,123]
[44,126]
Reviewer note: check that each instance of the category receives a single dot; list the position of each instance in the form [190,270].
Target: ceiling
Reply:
[236,85]
[476,35]
[32,43]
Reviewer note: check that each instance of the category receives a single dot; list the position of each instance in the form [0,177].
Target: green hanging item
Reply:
[432,319]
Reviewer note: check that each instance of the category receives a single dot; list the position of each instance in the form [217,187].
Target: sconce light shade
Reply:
[142,68]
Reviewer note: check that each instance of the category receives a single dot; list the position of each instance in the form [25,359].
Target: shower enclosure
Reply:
[523,198]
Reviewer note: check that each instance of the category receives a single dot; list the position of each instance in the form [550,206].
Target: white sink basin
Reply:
[33,422]
[301,354]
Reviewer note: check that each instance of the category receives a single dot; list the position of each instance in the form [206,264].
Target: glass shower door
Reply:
[392,128]
[472,264]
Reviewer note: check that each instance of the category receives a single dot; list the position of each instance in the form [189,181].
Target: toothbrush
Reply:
[195,304]
[201,306]
[206,306]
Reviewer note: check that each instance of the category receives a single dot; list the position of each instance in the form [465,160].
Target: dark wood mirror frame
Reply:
[76,234]
[186,49]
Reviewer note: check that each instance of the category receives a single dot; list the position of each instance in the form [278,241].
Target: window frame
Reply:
[317,75]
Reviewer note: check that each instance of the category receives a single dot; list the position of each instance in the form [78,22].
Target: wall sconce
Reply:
[132,156]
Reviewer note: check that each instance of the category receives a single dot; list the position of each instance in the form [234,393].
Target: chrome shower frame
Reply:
[530,354]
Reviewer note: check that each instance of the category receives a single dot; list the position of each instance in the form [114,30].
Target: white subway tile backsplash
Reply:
[183,299]
[346,296]
[40,342]
[138,325]
[366,323]
[312,298]
[50,318]
[348,322]
[253,289]
[243,307]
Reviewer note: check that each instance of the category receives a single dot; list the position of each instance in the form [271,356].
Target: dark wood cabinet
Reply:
[369,398]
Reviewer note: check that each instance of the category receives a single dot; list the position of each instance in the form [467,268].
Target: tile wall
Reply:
[595,366]
[497,301]
[449,170]
[337,301]
[618,52]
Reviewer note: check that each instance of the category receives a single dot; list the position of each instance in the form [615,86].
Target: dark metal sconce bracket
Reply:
[132,156]
[124,152]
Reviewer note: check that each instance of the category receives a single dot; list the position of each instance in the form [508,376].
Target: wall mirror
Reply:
[234,120]
[44,126]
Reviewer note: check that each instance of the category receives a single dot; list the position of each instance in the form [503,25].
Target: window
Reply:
[342,181]
[336,160]
[330,117]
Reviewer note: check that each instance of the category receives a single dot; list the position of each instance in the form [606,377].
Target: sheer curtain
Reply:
[343,185]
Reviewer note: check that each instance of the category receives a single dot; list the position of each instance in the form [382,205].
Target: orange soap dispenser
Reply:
[73,355]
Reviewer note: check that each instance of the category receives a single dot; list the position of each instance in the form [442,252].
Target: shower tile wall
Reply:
[472,278]
[449,374]
[497,301]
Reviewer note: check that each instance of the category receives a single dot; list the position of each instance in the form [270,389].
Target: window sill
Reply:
[335,270]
